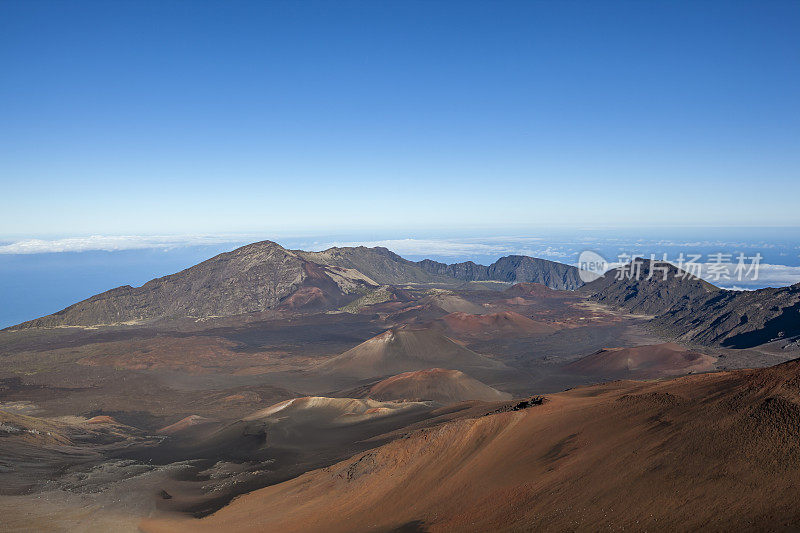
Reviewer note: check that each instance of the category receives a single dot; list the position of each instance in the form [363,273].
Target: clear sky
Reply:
[179,116]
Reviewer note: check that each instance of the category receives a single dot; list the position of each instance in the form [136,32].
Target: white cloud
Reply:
[769,275]
[454,249]
[444,247]
[114,243]
[467,247]
[778,275]
[461,249]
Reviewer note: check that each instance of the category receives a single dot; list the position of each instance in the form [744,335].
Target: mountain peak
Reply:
[435,384]
[649,287]
[264,275]
[692,310]
[250,279]
[259,245]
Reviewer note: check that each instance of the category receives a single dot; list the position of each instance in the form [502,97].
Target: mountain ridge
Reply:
[252,278]
[691,310]
[259,277]
[511,269]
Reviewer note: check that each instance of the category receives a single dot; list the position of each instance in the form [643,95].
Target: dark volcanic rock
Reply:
[648,294]
[524,269]
[511,269]
[466,271]
[738,319]
[692,310]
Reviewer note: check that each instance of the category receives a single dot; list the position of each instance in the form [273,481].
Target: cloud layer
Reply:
[114,243]
[465,248]
[481,249]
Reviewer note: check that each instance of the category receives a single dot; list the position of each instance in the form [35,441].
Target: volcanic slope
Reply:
[404,349]
[451,303]
[380,264]
[662,456]
[296,426]
[264,276]
[642,362]
[692,310]
[435,384]
[315,422]
[643,288]
[504,323]
[738,319]
[530,290]
[250,279]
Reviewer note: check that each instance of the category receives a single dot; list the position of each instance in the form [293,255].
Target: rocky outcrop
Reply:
[524,269]
[511,269]
[646,291]
[737,319]
[466,271]
[691,310]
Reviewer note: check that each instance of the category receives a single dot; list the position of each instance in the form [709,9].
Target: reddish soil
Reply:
[403,349]
[713,452]
[304,297]
[185,424]
[436,384]
[101,419]
[650,361]
[500,324]
[531,290]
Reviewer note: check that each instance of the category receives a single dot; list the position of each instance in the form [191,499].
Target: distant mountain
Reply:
[511,269]
[253,278]
[647,292]
[691,310]
[466,271]
[264,276]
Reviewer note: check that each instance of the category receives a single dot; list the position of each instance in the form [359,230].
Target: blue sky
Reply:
[175,116]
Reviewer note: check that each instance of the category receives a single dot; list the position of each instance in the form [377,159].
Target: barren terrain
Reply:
[422,400]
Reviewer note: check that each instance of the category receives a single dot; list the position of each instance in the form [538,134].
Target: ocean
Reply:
[63,271]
